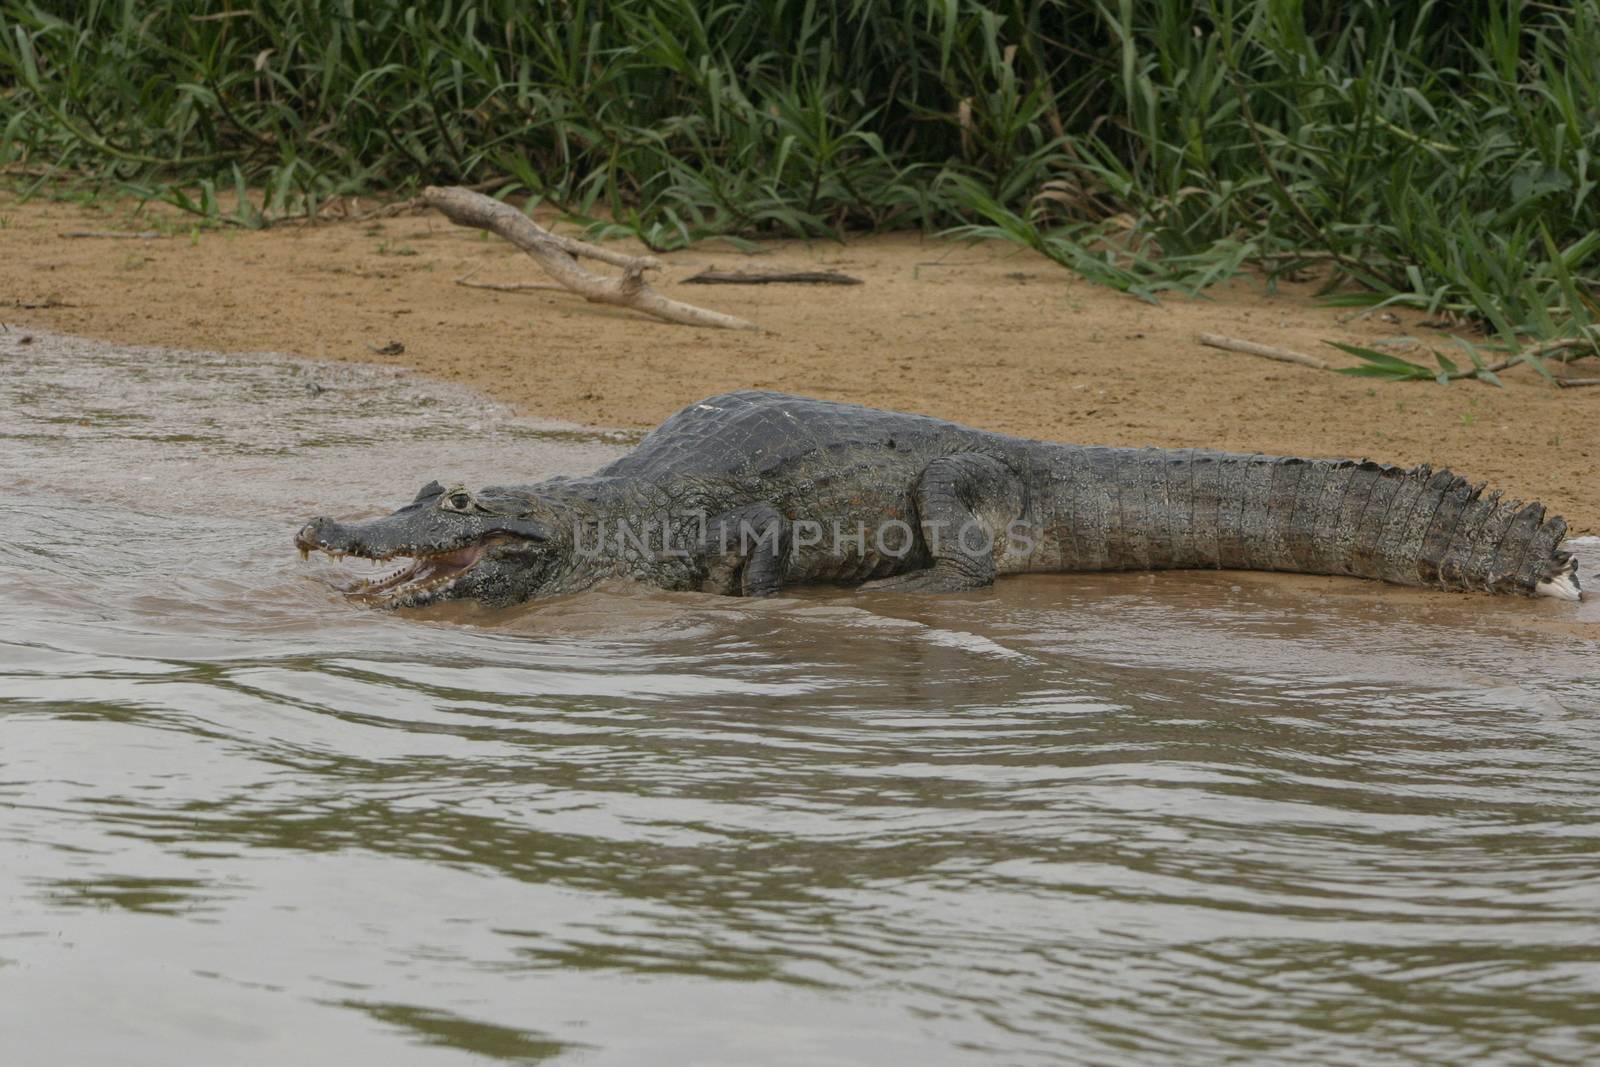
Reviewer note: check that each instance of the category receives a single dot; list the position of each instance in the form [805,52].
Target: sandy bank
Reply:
[989,335]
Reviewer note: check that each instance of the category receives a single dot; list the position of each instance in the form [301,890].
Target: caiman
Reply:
[749,493]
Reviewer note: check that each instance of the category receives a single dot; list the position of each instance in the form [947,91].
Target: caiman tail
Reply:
[1125,509]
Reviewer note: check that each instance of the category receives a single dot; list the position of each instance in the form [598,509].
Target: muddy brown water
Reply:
[1189,818]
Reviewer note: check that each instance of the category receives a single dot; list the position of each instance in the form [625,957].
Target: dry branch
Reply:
[1250,348]
[771,277]
[558,258]
[1574,383]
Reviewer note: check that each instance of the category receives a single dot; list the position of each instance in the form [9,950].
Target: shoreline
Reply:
[295,396]
[989,335]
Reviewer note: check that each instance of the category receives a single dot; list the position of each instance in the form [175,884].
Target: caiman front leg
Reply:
[964,504]
[743,551]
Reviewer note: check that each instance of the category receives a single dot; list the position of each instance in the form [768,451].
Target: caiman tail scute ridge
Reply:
[752,492]
[1154,508]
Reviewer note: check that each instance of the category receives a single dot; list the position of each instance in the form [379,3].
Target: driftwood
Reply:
[558,257]
[771,277]
[1250,348]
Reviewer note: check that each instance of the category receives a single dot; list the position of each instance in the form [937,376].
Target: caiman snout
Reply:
[313,534]
[323,534]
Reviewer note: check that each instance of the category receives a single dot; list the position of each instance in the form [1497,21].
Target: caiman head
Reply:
[497,545]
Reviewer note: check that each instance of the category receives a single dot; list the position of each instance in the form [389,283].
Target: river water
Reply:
[1188,818]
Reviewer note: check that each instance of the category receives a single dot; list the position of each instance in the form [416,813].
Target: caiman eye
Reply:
[460,500]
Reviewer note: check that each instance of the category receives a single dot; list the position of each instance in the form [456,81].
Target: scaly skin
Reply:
[750,492]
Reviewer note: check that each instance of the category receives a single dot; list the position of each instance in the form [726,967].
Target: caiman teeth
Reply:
[420,574]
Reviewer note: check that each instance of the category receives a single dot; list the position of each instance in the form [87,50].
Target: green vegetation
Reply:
[1440,156]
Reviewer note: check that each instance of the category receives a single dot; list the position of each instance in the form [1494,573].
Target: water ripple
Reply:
[1099,819]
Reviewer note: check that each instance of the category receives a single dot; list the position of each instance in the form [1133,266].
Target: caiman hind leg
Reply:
[743,551]
[965,505]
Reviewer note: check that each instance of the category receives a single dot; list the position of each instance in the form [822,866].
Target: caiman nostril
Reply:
[313,535]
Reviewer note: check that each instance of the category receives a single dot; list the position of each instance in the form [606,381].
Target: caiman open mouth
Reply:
[424,573]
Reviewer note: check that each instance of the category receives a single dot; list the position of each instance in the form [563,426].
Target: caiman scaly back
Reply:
[751,492]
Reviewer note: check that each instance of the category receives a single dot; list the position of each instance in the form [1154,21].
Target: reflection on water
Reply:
[1197,818]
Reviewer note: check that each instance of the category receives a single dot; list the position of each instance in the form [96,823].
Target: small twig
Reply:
[116,235]
[47,302]
[513,287]
[1250,348]
[1560,349]
[399,207]
[1576,383]
[1563,346]
[557,256]
[771,277]
[504,287]
[26,171]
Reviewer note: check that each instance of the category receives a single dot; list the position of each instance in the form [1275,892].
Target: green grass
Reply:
[1434,156]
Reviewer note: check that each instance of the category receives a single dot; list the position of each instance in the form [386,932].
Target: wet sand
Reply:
[991,335]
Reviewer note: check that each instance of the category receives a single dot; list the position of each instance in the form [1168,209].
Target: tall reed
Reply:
[1437,155]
